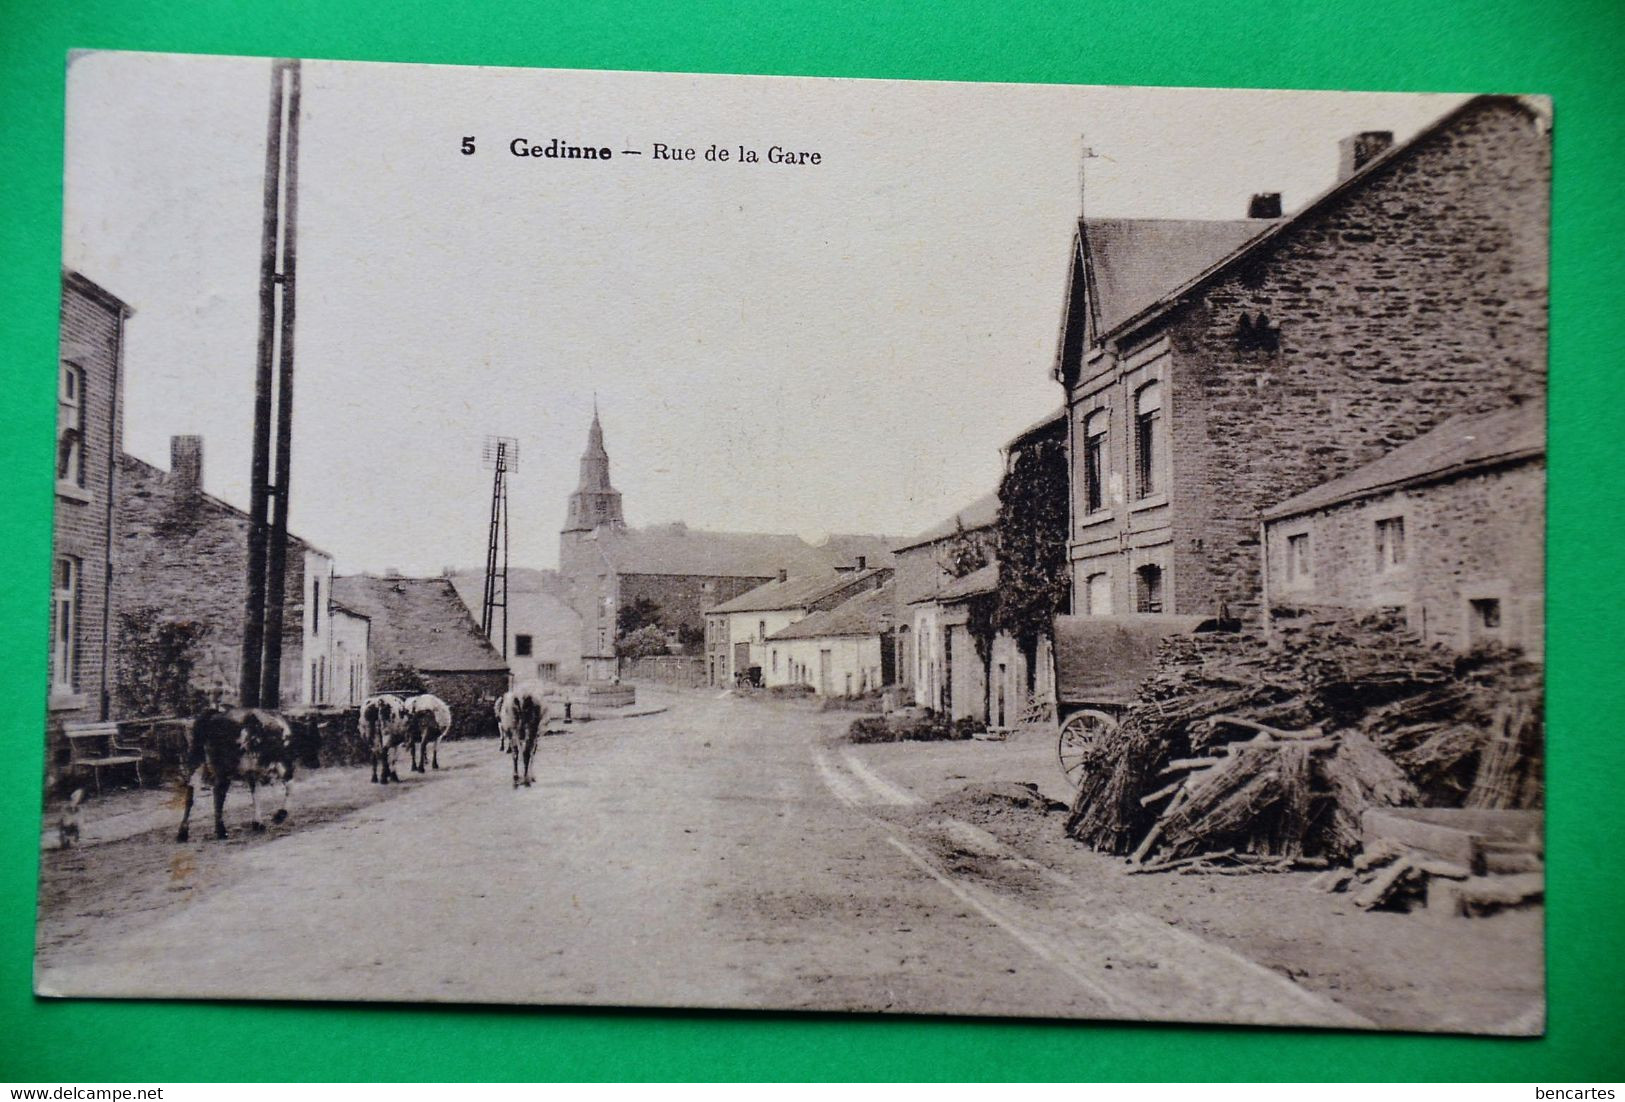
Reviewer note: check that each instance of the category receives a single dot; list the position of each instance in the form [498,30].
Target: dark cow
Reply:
[254,745]
[522,716]
[428,719]
[384,725]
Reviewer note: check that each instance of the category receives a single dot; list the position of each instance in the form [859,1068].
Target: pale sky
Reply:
[840,347]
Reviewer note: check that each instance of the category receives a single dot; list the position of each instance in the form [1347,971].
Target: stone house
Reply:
[737,631]
[843,650]
[1213,369]
[923,565]
[422,632]
[606,565]
[89,439]
[1449,527]
[182,558]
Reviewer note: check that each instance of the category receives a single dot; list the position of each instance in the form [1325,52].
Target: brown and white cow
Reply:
[522,716]
[254,745]
[428,719]
[385,728]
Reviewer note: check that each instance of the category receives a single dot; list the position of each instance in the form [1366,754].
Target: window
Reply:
[1094,461]
[547,671]
[1148,589]
[1297,557]
[1484,618]
[65,625]
[775,659]
[70,426]
[1099,594]
[1148,477]
[1390,543]
[761,630]
[521,645]
[316,607]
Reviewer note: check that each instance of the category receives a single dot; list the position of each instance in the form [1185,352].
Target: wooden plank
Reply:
[1452,898]
[1451,843]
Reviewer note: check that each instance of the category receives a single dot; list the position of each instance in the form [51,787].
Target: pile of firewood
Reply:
[1241,747]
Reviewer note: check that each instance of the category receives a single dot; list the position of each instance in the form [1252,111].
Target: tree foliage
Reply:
[646,641]
[157,660]
[966,552]
[641,613]
[1032,529]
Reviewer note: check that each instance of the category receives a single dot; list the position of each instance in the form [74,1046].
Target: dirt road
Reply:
[726,853]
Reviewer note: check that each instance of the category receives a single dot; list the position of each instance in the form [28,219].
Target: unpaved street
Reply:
[726,853]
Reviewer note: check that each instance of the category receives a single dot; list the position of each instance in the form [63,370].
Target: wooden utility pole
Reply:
[260,683]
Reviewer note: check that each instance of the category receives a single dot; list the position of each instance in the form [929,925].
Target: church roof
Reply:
[419,623]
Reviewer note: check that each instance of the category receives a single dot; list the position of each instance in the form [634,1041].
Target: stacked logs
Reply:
[1274,747]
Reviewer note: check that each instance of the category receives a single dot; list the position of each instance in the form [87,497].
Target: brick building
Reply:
[183,558]
[89,439]
[605,565]
[1449,528]
[422,632]
[1213,369]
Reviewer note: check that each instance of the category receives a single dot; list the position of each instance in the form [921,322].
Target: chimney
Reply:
[186,465]
[1266,204]
[1358,150]
[863,562]
[784,575]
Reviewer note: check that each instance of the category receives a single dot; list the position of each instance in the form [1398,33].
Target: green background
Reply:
[1572,51]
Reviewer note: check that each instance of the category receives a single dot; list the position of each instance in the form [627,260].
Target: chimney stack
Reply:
[186,464]
[784,575]
[1358,150]
[1266,204]
[863,563]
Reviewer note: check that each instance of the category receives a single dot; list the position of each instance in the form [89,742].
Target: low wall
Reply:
[666,669]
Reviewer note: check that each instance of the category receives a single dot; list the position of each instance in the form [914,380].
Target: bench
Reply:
[96,746]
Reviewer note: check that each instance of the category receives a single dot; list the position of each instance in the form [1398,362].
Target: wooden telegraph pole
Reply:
[260,683]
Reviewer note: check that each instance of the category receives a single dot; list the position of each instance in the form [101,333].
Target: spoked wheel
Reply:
[1078,735]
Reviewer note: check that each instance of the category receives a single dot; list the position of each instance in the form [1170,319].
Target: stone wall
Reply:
[1476,536]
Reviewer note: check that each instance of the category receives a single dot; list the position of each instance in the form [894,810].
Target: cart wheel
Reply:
[1078,735]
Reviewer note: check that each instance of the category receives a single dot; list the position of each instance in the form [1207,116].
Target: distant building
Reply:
[1449,528]
[422,632]
[182,558]
[1214,368]
[924,565]
[844,650]
[89,439]
[605,565]
[544,629]
[737,631]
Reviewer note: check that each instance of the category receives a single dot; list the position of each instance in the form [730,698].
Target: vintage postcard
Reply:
[639,539]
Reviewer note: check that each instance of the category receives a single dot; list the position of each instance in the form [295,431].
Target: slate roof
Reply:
[981,513]
[1461,444]
[1136,261]
[1054,424]
[868,613]
[974,584]
[795,592]
[1134,277]
[678,549]
[419,623]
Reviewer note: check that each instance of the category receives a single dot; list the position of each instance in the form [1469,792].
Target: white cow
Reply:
[522,716]
[428,720]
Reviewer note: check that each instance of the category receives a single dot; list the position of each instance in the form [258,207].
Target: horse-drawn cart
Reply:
[1099,664]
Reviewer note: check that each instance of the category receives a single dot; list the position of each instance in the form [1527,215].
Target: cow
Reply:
[254,745]
[384,726]
[522,716]
[428,720]
[502,729]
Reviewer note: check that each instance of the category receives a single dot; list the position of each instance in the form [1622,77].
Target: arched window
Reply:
[1148,475]
[1148,588]
[1094,461]
[1098,594]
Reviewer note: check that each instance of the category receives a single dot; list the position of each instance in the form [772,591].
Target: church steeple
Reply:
[596,503]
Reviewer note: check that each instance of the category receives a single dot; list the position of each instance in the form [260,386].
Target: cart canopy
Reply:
[1103,659]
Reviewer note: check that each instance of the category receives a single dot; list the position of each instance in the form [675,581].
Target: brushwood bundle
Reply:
[1239,744]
